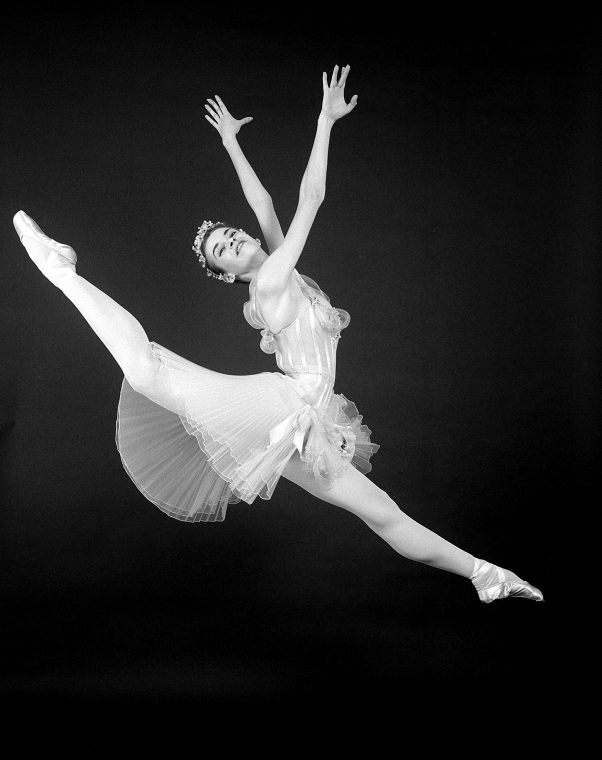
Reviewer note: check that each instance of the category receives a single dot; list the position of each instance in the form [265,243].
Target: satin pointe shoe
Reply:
[491,584]
[55,260]
[510,588]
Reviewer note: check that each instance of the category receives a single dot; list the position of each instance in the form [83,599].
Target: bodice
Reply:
[306,348]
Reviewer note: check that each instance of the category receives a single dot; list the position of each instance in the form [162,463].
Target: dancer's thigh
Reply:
[160,396]
[353,491]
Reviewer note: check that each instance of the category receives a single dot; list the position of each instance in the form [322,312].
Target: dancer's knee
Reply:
[143,374]
[146,380]
[356,493]
[383,513]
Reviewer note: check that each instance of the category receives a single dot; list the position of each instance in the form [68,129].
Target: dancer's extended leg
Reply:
[356,493]
[121,333]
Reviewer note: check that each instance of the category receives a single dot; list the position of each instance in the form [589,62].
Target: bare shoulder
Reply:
[281,307]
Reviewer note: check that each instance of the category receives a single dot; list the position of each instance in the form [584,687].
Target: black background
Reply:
[459,229]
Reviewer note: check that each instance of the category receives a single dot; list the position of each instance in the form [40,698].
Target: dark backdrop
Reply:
[459,230]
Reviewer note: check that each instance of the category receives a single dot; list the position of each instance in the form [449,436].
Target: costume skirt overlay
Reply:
[231,438]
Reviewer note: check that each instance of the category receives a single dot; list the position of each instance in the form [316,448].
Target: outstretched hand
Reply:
[333,101]
[223,120]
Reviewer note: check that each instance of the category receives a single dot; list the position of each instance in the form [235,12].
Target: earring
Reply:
[258,240]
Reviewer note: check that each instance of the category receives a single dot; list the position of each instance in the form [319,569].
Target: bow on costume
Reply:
[299,421]
[323,455]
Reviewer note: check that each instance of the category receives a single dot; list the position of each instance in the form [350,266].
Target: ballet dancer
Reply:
[193,440]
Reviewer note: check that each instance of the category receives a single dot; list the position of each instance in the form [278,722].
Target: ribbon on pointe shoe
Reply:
[485,574]
[491,584]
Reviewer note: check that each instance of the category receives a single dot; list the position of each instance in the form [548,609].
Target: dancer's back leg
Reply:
[359,495]
[121,333]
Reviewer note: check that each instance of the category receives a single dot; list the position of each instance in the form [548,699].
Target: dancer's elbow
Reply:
[312,195]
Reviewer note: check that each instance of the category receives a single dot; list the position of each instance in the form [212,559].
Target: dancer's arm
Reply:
[274,275]
[257,196]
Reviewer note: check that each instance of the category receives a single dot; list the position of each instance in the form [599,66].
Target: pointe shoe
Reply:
[510,588]
[57,261]
[488,590]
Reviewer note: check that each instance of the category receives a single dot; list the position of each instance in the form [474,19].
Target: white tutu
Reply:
[234,434]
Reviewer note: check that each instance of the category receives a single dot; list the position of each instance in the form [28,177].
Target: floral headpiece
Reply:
[198,242]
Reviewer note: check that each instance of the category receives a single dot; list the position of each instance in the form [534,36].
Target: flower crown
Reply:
[196,247]
[198,242]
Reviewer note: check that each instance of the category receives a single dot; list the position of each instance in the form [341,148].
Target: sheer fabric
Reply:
[234,434]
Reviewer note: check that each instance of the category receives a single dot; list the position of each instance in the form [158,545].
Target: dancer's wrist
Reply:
[325,119]
[229,141]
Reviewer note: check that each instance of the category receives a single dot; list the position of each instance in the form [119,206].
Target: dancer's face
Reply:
[233,251]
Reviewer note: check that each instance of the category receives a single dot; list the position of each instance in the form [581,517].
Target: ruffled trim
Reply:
[334,320]
[166,464]
[328,439]
[338,441]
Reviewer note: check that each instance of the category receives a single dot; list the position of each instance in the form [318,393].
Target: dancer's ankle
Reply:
[486,574]
[66,279]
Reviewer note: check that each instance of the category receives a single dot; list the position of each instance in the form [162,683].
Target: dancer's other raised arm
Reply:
[257,196]
[274,275]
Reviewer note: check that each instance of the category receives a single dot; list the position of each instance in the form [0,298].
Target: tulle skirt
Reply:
[231,438]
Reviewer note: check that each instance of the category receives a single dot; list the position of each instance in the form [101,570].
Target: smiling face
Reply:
[229,250]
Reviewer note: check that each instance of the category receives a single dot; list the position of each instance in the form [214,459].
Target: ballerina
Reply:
[193,440]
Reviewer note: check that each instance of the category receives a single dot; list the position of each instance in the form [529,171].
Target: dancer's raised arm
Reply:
[257,196]
[274,275]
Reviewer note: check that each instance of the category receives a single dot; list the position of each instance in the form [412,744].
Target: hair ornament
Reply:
[196,247]
[198,242]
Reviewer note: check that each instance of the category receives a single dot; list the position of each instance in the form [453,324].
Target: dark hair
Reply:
[217,226]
